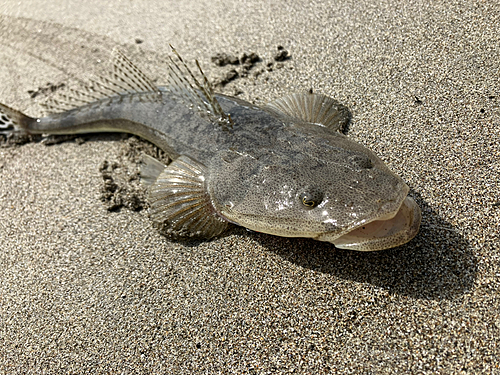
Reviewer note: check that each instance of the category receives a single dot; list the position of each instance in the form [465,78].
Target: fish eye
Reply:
[309,202]
[310,198]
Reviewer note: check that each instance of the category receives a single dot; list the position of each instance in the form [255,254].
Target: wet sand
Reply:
[84,289]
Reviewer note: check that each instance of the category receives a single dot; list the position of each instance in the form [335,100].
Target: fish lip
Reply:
[385,211]
[405,223]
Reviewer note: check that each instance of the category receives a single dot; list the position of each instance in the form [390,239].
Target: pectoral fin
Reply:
[313,108]
[150,169]
[180,204]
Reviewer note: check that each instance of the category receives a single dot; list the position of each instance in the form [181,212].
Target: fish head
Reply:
[316,184]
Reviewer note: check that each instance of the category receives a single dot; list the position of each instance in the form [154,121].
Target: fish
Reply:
[285,168]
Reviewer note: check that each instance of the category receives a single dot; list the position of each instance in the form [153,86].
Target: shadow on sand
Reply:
[437,264]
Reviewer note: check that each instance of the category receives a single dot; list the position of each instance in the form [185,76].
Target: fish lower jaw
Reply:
[385,233]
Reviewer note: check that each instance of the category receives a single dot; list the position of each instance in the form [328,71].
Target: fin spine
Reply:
[206,101]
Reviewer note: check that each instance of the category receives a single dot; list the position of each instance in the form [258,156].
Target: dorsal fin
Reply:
[183,84]
[313,108]
[123,78]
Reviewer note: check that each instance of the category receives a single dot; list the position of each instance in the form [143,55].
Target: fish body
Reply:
[284,169]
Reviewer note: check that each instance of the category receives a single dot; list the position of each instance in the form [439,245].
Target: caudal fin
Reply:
[12,121]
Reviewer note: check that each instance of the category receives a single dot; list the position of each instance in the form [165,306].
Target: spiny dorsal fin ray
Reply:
[124,78]
[313,108]
[183,83]
[180,204]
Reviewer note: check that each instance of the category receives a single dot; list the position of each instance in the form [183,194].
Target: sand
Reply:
[87,290]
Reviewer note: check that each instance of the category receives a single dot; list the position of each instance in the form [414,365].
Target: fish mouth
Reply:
[392,230]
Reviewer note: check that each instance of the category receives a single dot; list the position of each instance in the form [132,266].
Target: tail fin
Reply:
[12,121]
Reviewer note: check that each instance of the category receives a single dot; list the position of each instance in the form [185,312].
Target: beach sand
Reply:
[88,290]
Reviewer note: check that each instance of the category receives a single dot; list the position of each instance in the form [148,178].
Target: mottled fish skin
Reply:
[283,169]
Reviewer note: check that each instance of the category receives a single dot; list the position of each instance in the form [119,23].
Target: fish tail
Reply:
[13,121]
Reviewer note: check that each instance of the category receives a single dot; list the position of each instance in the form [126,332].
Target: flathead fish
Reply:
[284,168]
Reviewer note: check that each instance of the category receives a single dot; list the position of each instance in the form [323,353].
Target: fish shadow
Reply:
[437,264]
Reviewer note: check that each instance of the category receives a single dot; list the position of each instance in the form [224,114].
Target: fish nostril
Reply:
[361,161]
